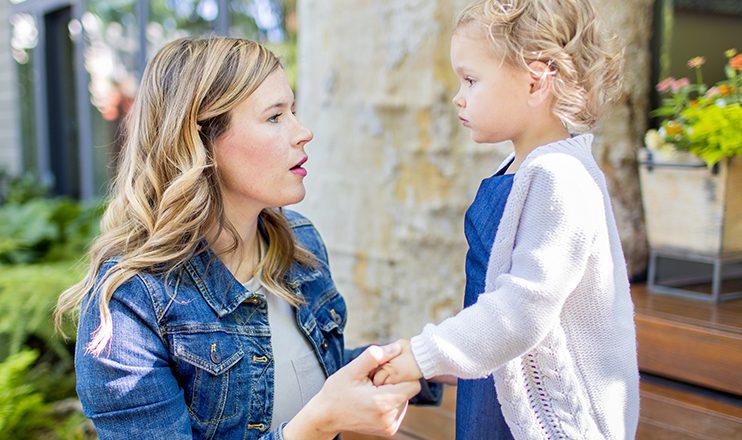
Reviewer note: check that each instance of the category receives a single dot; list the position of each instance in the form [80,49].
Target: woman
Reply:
[207,311]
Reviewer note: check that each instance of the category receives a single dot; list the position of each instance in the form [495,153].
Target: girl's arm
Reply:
[561,211]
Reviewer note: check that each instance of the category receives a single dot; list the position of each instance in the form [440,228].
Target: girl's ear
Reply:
[541,83]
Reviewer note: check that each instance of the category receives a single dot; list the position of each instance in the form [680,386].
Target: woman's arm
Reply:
[129,391]
[348,401]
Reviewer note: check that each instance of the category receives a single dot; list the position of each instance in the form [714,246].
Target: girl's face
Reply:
[260,156]
[493,97]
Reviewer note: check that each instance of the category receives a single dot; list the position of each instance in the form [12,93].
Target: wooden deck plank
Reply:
[691,341]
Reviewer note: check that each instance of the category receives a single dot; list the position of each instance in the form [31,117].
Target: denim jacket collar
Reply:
[222,291]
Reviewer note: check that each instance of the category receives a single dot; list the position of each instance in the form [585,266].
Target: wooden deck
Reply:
[690,355]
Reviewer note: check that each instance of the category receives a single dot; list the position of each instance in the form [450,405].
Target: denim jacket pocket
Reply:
[330,319]
[331,313]
[331,316]
[207,361]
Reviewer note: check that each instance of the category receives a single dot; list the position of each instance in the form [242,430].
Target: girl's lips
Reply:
[464,121]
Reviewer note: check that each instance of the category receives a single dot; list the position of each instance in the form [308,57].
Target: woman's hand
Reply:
[349,401]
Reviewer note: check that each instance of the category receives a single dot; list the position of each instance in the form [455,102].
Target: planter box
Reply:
[690,208]
[692,214]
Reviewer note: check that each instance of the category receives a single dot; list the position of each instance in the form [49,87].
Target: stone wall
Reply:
[10,144]
[391,171]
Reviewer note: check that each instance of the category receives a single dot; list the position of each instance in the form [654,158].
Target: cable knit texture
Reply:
[555,324]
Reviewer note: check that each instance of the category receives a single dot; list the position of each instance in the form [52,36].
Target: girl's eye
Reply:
[469,81]
[274,118]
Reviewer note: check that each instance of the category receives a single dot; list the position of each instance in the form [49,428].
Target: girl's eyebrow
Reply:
[462,70]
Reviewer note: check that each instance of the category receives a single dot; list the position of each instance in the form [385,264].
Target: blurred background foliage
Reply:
[42,244]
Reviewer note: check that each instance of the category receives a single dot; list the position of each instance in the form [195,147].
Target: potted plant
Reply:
[691,176]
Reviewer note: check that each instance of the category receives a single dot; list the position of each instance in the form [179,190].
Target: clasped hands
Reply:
[401,368]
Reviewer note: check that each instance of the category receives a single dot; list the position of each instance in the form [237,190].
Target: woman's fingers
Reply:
[371,359]
[404,391]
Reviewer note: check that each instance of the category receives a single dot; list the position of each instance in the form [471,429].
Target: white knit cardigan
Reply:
[555,323]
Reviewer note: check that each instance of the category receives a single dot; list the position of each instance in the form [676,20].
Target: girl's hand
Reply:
[402,368]
[349,401]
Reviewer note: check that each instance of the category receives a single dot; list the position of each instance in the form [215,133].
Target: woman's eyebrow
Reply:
[278,105]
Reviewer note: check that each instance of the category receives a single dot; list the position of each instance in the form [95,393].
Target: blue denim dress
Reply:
[478,414]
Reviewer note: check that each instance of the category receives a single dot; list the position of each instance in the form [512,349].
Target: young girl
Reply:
[547,308]
[207,311]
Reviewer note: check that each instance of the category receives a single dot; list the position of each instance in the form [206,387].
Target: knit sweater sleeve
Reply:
[561,207]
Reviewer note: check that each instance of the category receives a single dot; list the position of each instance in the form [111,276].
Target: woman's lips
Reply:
[464,121]
[298,170]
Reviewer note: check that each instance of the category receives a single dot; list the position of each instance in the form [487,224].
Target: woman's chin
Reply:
[296,197]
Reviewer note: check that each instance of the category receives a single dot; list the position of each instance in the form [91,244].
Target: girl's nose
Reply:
[457,100]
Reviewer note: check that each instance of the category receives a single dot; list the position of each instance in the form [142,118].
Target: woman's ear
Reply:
[541,83]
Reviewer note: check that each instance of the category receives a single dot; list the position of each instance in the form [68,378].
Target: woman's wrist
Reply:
[311,423]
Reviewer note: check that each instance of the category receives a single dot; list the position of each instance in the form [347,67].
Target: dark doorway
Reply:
[63,151]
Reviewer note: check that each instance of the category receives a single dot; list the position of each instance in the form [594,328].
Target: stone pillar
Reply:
[621,130]
[391,171]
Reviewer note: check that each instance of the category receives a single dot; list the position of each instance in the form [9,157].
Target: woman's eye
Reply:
[274,118]
[469,81]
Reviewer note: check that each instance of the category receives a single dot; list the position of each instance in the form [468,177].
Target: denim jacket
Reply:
[190,356]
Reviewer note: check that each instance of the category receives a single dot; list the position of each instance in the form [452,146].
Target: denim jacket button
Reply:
[215,358]
[336,317]
[324,345]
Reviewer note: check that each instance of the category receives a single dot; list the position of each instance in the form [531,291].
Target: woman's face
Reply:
[259,158]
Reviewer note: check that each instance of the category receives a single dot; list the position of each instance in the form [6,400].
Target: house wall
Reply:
[10,145]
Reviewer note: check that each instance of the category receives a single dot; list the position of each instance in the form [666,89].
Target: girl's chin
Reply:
[481,139]
[485,138]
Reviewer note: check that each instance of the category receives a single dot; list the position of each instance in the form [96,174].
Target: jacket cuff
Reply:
[431,394]
[277,433]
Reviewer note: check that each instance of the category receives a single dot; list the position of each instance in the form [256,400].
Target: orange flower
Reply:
[674,129]
[725,90]
[736,62]
[694,103]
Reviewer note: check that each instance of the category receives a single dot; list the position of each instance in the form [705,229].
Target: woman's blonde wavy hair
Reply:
[566,36]
[166,195]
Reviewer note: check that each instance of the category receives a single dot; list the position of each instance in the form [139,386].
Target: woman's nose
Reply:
[305,135]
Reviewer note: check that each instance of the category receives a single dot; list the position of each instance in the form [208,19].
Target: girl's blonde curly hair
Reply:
[565,35]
